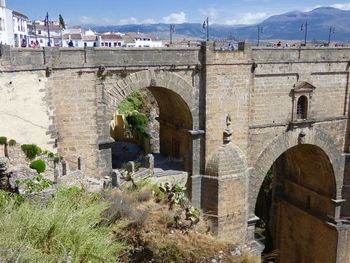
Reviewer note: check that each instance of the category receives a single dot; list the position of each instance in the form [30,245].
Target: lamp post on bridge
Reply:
[206,26]
[260,31]
[305,30]
[172,30]
[47,24]
[331,31]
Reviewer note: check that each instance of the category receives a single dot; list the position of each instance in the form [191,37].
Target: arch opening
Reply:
[166,136]
[294,203]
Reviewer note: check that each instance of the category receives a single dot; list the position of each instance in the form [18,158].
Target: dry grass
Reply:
[155,239]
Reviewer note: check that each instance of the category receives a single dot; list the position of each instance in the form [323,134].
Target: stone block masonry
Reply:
[64,99]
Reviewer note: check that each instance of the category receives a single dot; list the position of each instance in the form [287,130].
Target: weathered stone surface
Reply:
[195,89]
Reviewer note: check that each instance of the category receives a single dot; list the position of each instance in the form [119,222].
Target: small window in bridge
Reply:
[302,108]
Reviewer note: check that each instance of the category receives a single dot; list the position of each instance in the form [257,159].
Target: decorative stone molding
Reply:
[301,100]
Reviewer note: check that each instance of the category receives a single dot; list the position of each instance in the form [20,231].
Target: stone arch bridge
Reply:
[231,115]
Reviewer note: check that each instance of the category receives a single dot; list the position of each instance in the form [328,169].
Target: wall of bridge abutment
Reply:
[76,90]
[259,88]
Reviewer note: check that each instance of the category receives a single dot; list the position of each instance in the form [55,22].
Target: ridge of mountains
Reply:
[286,26]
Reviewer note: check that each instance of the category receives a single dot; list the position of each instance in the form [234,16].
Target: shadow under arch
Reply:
[288,140]
[300,196]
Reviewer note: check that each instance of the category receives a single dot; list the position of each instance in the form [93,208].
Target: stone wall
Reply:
[25,114]
[67,97]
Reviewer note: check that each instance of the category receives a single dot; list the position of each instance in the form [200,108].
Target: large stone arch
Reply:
[286,141]
[170,91]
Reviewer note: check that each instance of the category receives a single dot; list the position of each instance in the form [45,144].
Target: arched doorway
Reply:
[296,206]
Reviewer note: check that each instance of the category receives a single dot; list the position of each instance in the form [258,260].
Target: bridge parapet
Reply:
[36,59]
[302,54]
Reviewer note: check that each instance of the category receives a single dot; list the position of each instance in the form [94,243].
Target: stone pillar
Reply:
[81,164]
[149,159]
[345,210]
[56,174]
[224,193]
[194,182]
[116,178]
[64,167]
[4,180]
[343,251]
[130,167]
[2,150]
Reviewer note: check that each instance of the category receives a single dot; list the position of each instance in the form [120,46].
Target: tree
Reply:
[61,21]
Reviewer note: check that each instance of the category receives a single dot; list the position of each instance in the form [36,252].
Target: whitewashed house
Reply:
[6,25]
[39,32]
[76,40]
[110,40]
[20,29]
[144,40]
[90,39]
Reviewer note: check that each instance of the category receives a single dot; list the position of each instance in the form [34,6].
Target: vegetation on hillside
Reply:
[142,224]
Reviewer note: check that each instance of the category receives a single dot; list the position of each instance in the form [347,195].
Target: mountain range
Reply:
[286,26]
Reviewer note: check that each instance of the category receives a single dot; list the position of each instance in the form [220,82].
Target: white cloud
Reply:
[127,21]
[107,21]
[175,18]
[212,13]
[345,6]
[312,8]
[149,21]
[247,18]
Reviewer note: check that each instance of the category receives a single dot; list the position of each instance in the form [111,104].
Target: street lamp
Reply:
[305,30]
[331,31]
[48,29]
[206,26]
[260,31]
[172,30]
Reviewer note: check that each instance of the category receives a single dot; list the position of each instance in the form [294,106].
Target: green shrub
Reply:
[3,140]
[38,149]
[31,150]
[137,121]
[38,165]
[51,155]
[65,229]
[131,103]
[34,186]
[12,142]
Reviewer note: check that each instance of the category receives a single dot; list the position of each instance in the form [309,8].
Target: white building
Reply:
[76,40]
[110,40]
[6,25]
[143,40]
[39,32]
[20,29]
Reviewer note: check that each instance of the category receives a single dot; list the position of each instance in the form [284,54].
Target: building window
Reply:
[302,108]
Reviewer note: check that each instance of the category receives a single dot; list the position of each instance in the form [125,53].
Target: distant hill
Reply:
[285,26]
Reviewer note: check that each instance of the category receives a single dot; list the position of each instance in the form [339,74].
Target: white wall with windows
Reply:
[6,26]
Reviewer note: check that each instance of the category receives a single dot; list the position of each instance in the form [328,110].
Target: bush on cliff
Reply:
[30,150]
[12,142]
[38,165]
[3,140]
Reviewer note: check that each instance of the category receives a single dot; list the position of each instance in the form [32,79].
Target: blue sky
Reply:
[107,12]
